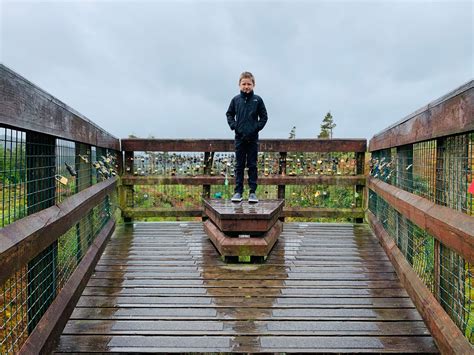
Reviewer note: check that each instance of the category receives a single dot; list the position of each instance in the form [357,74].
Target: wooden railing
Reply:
[58,191]
[421,210]
[312,154]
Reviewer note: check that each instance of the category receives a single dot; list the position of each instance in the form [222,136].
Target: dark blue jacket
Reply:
[247,115]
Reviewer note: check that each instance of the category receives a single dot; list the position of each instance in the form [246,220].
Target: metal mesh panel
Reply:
[322,196]
[456,282]
[166,196]
[19,304]
[454,173]
[13,175]
[440,170]
[457,290]
[333,163]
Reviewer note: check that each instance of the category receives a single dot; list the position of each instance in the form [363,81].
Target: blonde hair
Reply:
[247,75]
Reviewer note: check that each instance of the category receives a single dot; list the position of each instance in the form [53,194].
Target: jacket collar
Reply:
[245,95]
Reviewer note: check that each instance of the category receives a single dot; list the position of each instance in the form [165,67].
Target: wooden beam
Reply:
[448,337]
[24,239]
[44,337]
[452,228]
[448,115]
[227,145]
[287,212]
[319,212]
[25,106]
[338,180]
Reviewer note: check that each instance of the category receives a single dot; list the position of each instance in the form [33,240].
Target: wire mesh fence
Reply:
[38,171]
[27,294]
[440,170]
[452,282]
[222,164]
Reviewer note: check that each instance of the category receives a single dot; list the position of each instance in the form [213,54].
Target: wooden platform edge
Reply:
[43,339]
[448,337]
[254,246]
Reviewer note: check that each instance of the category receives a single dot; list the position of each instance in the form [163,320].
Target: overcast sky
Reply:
[170,68]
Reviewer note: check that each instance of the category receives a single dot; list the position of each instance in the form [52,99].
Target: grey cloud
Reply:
[169,69]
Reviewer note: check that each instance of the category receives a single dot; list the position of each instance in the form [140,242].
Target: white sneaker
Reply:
[253,198]
[237,197]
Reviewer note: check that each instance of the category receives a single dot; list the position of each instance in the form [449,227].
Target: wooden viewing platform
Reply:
[324,287]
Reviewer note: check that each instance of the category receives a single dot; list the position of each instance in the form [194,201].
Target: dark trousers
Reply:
[246,152]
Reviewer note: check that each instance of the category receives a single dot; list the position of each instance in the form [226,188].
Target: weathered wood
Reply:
[247,344]
[203,328]
[43,337]
[26,106]
[22,240]
[452,228]
[337,180]
[227,145]
[320,212]
[253,246]
[447,335]
[287,212]
[182,297]
[243,216]
[448,115]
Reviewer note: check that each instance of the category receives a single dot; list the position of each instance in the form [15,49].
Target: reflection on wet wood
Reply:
[325,287]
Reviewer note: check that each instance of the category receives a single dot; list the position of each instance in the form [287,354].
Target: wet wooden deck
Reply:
[324,288]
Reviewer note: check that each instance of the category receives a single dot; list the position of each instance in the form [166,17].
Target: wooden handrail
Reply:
[24,239]
[26,106]
[227,145]
[451,114]
[338,180]
[452,228]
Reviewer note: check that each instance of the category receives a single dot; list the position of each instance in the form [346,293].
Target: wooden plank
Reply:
[242,328]
[135,343]
[447,335]
[319,212]
[242,291]
[53,321]
[25,106]
[452,228]
[338,180]
[448,115]
[239,313]
[227,145]
[24,239]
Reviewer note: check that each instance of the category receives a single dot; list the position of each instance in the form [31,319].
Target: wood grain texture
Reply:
[25,106]
[451,114]
[324,287]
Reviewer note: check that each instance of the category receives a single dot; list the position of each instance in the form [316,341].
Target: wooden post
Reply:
[206,189]
[282,172]
[41,192]
[359,189]
[126,191]
[83,181]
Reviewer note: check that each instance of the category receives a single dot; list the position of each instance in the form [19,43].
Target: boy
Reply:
[246,115]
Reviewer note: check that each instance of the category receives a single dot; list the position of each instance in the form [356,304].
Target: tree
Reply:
[327,126]
[292,133]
